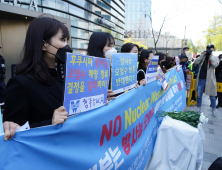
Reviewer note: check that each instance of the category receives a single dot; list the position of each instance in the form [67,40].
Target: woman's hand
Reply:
[157,77]
[142,82]
[109,94]
[59,115]
[9,128]
[137,85]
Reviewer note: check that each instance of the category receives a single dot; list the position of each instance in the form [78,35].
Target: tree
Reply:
[213,34]
[196,48]
[166,39]
[146,11]
[128,34]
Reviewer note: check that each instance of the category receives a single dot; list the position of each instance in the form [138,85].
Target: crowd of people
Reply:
[35,94]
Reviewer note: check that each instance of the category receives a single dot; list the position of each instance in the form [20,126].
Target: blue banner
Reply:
[124,71]
[86,83]
[118,136]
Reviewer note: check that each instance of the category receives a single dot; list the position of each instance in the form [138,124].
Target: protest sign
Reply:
[177,63]
[86,83]
[124,72]
[119,136]
[162,78]
[151,71]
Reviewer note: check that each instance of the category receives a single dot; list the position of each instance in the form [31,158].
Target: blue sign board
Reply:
[124,71]
[151,71]
[86,82]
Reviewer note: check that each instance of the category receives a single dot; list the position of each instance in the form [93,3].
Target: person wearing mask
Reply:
[99,44]
[183,60]
[162,61]
[185,52]
[206,80]
[218,73]
[169,63]
[35,94]
[145,58]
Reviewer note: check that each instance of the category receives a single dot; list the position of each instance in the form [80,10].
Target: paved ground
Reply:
[213,133]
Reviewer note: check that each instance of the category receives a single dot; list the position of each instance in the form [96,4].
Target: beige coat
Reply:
[211,85]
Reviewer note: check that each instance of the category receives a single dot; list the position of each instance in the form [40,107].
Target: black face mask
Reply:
[61,53]
[163,63]
[60,59]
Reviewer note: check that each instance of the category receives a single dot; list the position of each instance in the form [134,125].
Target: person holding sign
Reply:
[99,44]
[144,61]
[35,94]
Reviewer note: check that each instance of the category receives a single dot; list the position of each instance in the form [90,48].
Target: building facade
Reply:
[82,17]
[137,24]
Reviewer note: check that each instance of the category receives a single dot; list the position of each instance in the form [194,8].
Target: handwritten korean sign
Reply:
[177,63]
[124,71]
[162,78]
[151,71]
[86,83]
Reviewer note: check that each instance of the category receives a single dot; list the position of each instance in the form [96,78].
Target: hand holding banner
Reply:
[86,83]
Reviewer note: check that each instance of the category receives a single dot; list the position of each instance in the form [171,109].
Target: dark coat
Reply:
[218,72]
[27,99]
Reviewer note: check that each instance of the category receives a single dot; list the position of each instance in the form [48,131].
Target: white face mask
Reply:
[186,52]
[221,59]
[109,53]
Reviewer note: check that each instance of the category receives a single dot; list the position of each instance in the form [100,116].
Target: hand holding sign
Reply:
[59,116]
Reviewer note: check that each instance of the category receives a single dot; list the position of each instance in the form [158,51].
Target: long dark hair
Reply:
[126,48]
[144,54]
[162,56]
[41,28]
[97,42]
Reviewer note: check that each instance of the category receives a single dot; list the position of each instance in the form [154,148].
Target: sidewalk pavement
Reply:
[213,133]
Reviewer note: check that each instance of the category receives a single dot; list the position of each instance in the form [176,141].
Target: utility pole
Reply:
[185,32]
[183,44]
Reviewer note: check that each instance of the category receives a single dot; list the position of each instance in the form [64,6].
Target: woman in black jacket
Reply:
[35,94]
[145,59]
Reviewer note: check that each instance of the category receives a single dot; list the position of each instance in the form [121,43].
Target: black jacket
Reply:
[218,72]
[140,75]
[27,99]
